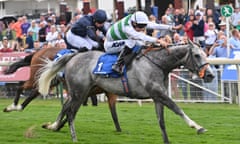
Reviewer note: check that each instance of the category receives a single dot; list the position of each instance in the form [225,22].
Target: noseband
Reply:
[198,69]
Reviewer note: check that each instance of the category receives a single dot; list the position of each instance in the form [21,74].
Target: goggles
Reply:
[141,25]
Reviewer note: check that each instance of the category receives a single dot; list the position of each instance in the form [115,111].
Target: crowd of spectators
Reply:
[24,33]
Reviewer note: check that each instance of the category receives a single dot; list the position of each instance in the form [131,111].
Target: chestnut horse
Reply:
[35,62]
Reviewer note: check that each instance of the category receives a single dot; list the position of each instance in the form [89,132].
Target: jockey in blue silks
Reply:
[128,33]
[82,35]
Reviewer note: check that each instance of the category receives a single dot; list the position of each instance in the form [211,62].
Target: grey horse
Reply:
[147,78]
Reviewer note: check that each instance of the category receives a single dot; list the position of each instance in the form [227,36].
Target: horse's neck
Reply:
[168,59]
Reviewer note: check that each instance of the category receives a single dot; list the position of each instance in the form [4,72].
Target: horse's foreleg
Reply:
[14,106]
[160,115]
[165,100]
[112,106]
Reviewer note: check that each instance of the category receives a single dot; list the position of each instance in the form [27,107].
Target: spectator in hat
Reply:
[222,27]
[198,30]
[5,45]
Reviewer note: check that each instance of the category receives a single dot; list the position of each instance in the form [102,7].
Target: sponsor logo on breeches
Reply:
[118,44]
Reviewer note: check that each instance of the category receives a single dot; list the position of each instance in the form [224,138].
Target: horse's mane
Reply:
[160,47]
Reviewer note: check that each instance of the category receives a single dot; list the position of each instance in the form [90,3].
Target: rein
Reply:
[152,49]
[156,49]
[200,69]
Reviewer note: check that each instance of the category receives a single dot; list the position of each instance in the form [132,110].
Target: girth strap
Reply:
[124,80]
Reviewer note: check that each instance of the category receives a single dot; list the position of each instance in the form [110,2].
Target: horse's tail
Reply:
[49,71]
[21,63]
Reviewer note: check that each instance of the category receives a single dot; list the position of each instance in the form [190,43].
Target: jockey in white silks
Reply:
[82,35]
[128,33]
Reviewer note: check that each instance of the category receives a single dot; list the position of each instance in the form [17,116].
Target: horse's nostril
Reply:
[209,77]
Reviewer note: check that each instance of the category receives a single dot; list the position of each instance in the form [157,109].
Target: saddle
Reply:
[104,66]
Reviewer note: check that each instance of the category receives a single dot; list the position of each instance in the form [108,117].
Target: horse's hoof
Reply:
[6,110]
[201,130]
[45,126]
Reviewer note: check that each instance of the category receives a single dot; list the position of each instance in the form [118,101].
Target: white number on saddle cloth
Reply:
[100,66]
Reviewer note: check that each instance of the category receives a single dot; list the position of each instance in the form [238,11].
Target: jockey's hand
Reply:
[162,42]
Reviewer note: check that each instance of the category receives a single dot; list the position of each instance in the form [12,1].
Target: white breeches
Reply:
[80,42]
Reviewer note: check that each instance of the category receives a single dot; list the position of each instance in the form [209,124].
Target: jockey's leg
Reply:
[120,61]
[135,51]
[122,46]
[125,58]
[81,44]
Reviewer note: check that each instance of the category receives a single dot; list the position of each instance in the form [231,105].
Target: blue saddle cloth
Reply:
[104,66]
[62,53]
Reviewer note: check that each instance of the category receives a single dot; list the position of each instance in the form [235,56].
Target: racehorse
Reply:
[147,78]
[35,62]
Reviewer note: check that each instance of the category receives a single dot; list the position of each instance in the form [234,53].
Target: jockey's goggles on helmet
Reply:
[141,25]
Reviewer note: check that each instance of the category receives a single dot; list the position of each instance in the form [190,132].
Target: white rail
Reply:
[228,61]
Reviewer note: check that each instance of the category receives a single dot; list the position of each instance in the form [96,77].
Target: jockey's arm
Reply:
[132,34]
[103,30]
[91,33]
[152,25]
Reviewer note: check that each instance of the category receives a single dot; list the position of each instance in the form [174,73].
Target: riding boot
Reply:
[120,61]
[129,58]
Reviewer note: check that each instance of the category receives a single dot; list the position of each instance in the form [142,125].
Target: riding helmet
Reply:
[140,17]
[100,16]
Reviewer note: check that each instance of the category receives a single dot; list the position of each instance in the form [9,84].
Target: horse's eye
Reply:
[197,56]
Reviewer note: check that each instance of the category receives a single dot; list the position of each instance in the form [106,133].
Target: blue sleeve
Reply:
[91,33]
[103,30]
[80,27]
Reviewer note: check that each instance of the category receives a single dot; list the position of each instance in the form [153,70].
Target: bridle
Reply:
[190,61]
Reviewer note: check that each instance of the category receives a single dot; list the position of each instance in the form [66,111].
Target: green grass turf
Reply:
[139,124]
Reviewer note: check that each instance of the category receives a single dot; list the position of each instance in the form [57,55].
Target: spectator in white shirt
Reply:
[210,36]
[52,35]
[234,40]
